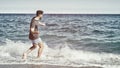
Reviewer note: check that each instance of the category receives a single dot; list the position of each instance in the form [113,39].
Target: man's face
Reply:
[41,15]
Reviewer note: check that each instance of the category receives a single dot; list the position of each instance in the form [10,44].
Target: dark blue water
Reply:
[98,33]
[91,32]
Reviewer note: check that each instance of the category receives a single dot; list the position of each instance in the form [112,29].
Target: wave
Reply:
[11,52]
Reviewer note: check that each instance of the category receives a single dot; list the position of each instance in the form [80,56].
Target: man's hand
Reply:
[44,24]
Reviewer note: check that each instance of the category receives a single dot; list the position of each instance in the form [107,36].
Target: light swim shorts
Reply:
[36,41]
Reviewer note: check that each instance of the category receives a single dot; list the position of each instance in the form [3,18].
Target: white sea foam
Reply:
[12,52]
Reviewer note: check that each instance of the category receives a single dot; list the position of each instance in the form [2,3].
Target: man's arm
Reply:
[34,32]
[42,24]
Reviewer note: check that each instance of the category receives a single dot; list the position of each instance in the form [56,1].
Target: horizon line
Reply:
[59,13]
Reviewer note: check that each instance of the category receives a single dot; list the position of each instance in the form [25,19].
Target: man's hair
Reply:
[39,12]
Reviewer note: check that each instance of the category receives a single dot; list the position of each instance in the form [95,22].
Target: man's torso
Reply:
[34,24]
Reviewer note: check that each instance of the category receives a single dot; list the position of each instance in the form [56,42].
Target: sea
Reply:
[69,39]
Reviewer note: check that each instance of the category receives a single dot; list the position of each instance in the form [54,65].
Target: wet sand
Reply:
[40,66]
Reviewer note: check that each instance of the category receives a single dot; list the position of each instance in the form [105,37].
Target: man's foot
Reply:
[24,56]
[37,58]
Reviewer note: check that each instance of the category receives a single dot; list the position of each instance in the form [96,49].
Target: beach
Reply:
[40,66]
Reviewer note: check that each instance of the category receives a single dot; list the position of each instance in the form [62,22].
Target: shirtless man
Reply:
[34,35]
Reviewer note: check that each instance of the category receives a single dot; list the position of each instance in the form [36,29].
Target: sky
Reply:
[61,6]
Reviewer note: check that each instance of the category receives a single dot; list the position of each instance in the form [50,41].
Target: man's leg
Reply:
[28,51]
[41,46]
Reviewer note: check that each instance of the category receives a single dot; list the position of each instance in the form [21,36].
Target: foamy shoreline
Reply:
[40,66]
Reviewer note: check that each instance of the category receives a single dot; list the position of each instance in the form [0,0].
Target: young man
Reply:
[34,35]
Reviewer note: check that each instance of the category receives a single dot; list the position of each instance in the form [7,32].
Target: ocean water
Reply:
[70,39]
